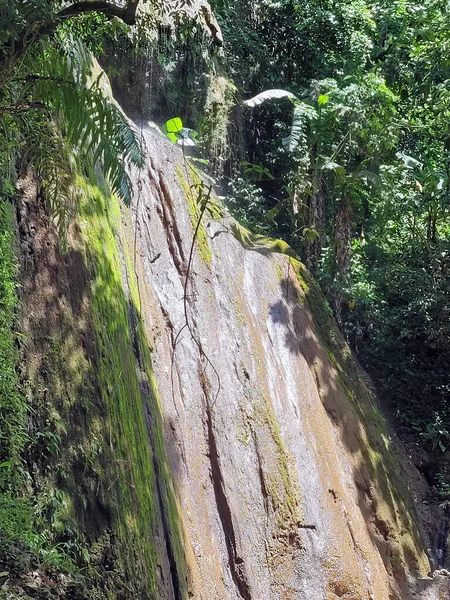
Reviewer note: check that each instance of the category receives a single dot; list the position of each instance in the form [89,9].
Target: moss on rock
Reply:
[195,193]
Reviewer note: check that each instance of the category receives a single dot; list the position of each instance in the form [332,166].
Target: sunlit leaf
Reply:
[268,95]
[174,125]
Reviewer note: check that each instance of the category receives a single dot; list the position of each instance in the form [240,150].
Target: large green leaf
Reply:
[302,114]
[174,125]
[268,95]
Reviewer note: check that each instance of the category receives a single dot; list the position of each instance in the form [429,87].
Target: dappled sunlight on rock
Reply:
[287,483]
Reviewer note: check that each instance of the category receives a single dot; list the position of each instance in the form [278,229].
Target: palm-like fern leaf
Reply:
[90,121]
[302,113]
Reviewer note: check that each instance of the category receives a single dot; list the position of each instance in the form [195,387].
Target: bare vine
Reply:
[203,200]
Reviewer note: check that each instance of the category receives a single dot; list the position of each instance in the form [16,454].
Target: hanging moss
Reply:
[214,121]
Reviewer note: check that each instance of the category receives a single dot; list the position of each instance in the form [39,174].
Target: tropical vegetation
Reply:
[325,121]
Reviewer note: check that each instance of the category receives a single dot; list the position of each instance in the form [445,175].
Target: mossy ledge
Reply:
[261,243]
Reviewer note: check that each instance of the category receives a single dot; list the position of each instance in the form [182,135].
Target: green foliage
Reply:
[16,522]
[246,203]
[23,541]
[363,192]
[12,405]
[400,323]
[302,112]
[437,434]
[257,172]
[96,32]
[55,106]
[442,484]
[274,43]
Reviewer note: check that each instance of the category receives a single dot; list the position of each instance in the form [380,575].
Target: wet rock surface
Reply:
[277,455]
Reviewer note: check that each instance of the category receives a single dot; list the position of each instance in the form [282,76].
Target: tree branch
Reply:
[19,46]
[126,13]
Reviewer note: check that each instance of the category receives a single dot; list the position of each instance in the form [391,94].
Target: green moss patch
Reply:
[194,193]
[130,466]
[261,243]
[128,389]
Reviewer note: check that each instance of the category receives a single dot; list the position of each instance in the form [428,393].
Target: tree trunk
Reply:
[315,222]
[341,253]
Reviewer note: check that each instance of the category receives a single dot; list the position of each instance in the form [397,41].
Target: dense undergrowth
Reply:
[16,516]
[12,436]
[24,539]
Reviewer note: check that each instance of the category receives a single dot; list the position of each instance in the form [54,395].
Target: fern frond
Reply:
[55,168]
[78,123]
[90,121]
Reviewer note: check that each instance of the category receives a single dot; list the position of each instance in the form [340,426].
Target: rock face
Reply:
[284,470]
[243,457]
